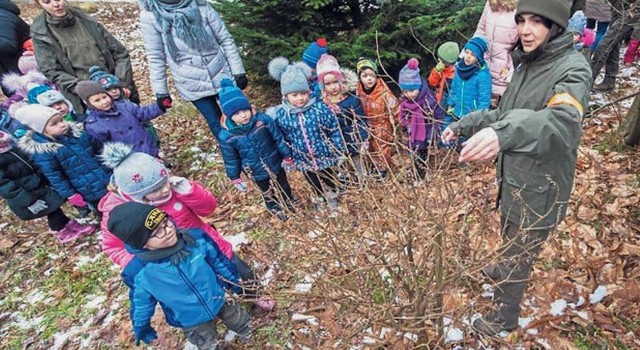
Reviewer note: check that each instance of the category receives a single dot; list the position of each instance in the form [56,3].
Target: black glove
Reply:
[241,81]
[164,101]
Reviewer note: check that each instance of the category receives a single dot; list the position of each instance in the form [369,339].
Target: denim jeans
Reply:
[210,110]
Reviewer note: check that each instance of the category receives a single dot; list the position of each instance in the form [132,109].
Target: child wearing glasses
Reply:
[139,177]
[183,270]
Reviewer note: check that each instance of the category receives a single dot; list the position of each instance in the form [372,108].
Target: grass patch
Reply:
[612,142]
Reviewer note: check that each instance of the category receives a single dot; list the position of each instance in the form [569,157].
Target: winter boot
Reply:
[318,203]
[606,85]
[493,323]
[72,231]
[631,54]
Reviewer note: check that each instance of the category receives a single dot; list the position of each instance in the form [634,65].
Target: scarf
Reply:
[66,21]
[184,19]
[295,110]
[465,72]
[236,128]
[369,91]
[177,253]
[333,101]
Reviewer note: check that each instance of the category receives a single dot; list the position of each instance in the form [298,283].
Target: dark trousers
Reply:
[607,53]
[274,191]
[519,250]
[233,316]
[319,179]
[57,220]
[420,158]
[210,110]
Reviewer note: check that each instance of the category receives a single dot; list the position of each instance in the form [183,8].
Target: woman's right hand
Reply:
[448,135]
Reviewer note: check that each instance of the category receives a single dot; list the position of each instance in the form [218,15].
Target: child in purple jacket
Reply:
[118,121]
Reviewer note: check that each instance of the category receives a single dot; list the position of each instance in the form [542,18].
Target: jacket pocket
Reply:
[526,195]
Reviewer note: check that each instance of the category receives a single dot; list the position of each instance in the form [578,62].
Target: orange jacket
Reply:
[439,80]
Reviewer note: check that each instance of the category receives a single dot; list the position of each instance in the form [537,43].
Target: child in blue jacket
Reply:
[118,121]
[251,142]
[311,130]
[183,270]
[66,155]
[471,87]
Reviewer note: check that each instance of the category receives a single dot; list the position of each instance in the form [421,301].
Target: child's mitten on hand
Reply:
[77,200]
[180,184]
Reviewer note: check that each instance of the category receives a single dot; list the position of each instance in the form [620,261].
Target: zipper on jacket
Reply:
[306,141]
[22,160]
[195,291]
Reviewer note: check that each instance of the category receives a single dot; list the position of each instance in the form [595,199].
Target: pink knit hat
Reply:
[588,37]
[328,65]
[27,62]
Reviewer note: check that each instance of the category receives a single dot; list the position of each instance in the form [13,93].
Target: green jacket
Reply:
[538,123]
[55,65]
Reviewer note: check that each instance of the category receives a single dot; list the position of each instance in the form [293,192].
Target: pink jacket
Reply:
[501,30]
[184,209]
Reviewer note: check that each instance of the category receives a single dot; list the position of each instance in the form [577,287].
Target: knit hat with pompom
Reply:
[232,100]
[104,78]
[292,77]
[328,65]
[410,76]
[314,51]
[136,174]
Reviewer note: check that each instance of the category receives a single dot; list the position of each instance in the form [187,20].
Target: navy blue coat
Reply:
[21,185]
[352,125]
[258,152]
[13,34]
[69,162]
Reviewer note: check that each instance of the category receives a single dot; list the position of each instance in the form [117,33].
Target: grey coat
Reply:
[195,74]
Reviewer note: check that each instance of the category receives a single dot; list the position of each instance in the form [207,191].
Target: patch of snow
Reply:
[304,330]
[238,240]
[303,287]
[95,302]
[583,315]
[544,343]
[454,335]
[190,346]
[85,260]
[411,336]
[195,149]
[230,336]
[369,341]
[60,338]
[523,322]
[532,331]
[25,324]
[384,331]
[4,225]
[301,317]
[557,307]
[386,276]
[580,302]
[598,295]
[267,277]
[35,297]
[446,321]
[313,234]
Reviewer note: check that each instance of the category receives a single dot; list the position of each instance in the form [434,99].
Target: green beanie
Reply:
[448,52]
[557,11]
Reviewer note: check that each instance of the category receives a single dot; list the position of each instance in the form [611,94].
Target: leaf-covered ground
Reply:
[370,277]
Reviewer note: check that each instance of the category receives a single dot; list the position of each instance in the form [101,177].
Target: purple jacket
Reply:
[124,123]
[422,117]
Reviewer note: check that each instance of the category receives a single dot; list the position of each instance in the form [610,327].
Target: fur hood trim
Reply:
[504,5]
[30,145]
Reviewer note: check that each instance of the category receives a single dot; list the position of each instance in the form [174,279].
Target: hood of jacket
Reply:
[9,6]
[549,52]
[33,142]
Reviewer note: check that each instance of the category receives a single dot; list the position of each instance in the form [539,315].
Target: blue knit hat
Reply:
[410,76]
[478,45]
[107,80]
[232,100]
[314,51]
[577,23]
[35,90]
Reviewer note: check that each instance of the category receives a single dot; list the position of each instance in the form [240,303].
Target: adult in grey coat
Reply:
[190,37]
[67,43]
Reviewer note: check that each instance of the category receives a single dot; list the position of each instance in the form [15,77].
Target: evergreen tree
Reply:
[392,30]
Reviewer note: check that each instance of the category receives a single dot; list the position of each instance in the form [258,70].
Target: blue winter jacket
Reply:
[69,163]
[259,151]
[352,124]
[124,123]
[313,133]
[190,293]
[473,94]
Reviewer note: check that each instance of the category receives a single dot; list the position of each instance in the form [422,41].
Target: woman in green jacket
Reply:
[535,133]
[67,43]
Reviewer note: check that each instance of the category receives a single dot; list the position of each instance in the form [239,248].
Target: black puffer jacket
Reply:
[21,185]
[13,34]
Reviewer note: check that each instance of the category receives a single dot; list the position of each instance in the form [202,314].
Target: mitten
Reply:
[37,206]
[288,164]
[144,333]
[164,101]
[180,184]
[77,200]
[240,185]
[241,81]
[440,67]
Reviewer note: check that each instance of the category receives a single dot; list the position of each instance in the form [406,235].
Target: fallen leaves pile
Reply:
[397,267]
